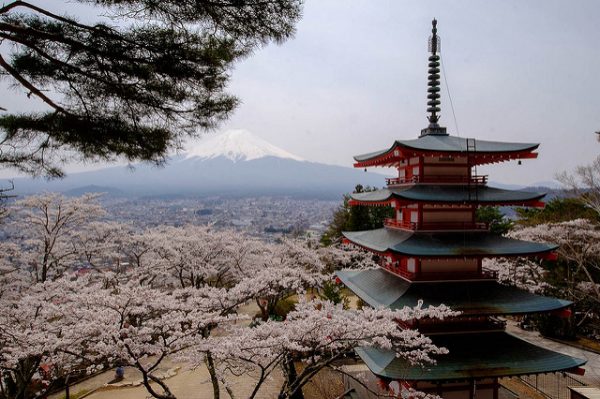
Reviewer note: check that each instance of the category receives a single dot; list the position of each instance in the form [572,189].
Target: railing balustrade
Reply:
[435,226]
[443,179]
[437,276]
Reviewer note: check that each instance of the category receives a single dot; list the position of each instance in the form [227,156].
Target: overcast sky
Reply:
[354,79]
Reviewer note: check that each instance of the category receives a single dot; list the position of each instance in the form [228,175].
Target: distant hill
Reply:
[79,191]
[236,163]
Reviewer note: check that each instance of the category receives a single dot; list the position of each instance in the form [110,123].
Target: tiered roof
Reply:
[449,194]
[380,288]
[443,244]
[476,355]
[442,143]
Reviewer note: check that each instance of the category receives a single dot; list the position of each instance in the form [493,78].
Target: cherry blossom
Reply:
[162,293]
[45,224]
[319,333]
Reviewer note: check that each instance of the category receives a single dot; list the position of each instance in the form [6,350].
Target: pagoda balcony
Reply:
[479,180]
[448,276]
[435,226]
[459,325]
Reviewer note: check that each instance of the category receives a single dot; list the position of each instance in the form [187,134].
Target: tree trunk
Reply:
[146,381]
[210,365]
[264,312]
[67,393]
[259,383]
[292,379]
[23,375]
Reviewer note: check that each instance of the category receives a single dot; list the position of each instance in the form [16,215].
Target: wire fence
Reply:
[554,385]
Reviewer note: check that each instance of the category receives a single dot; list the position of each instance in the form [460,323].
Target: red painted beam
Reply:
[550,256]
[576,371]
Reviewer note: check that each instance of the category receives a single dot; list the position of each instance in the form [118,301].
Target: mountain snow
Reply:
[237,145]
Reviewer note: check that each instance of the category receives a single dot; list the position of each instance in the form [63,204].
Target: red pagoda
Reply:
[432,251]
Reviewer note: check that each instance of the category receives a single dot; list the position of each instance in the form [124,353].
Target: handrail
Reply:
[400,224]
[432,276]
[475,179]
[435,226]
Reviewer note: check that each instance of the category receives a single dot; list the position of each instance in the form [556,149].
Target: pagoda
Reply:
[431,251]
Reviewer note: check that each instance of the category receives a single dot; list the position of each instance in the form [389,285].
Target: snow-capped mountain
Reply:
[234,163]
[237,145]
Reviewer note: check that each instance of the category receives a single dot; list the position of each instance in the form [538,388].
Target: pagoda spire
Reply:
[433,91]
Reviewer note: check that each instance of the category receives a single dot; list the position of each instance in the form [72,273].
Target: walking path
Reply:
[183,383]
[592,367]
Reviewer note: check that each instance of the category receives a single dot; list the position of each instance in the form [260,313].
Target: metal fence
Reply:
[554,385]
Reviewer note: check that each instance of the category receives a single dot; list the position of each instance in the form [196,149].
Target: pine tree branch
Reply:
[33,90]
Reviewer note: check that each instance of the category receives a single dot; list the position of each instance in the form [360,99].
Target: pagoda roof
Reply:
[475,355]
[449,194]
[444,143]
[445,244]
[380,288]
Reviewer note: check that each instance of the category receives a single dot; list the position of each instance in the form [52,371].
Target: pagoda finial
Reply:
[434,75]
[433,91]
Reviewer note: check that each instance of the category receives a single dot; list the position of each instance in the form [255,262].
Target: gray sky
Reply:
[354,79]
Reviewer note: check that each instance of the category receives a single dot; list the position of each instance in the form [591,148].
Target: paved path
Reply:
[192,384]
[592,367]
[183,382]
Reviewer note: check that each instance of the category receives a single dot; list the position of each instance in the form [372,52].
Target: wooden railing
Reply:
[399,224]
[442,179]
[435,226]
[447,276]
[431,326]
[437,276]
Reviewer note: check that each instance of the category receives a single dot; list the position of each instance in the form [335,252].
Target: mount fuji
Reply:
[238,145]
[235,163]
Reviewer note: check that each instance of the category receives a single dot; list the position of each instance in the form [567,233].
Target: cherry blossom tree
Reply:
[100,244]
[575,277]
[12,279]
[141,326]
[524,273]
[579,247]
[41,339]
[180,285]
[289,268]
[196,256]
[136,250]
[239,267]
[92,321]
[342,256]
[318,334]
[585,183]
[46,224]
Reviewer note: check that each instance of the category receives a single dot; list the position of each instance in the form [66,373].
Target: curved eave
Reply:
[445,245]
[448,194]
[380,288]
[377,155]
[490,153]
[480,355]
